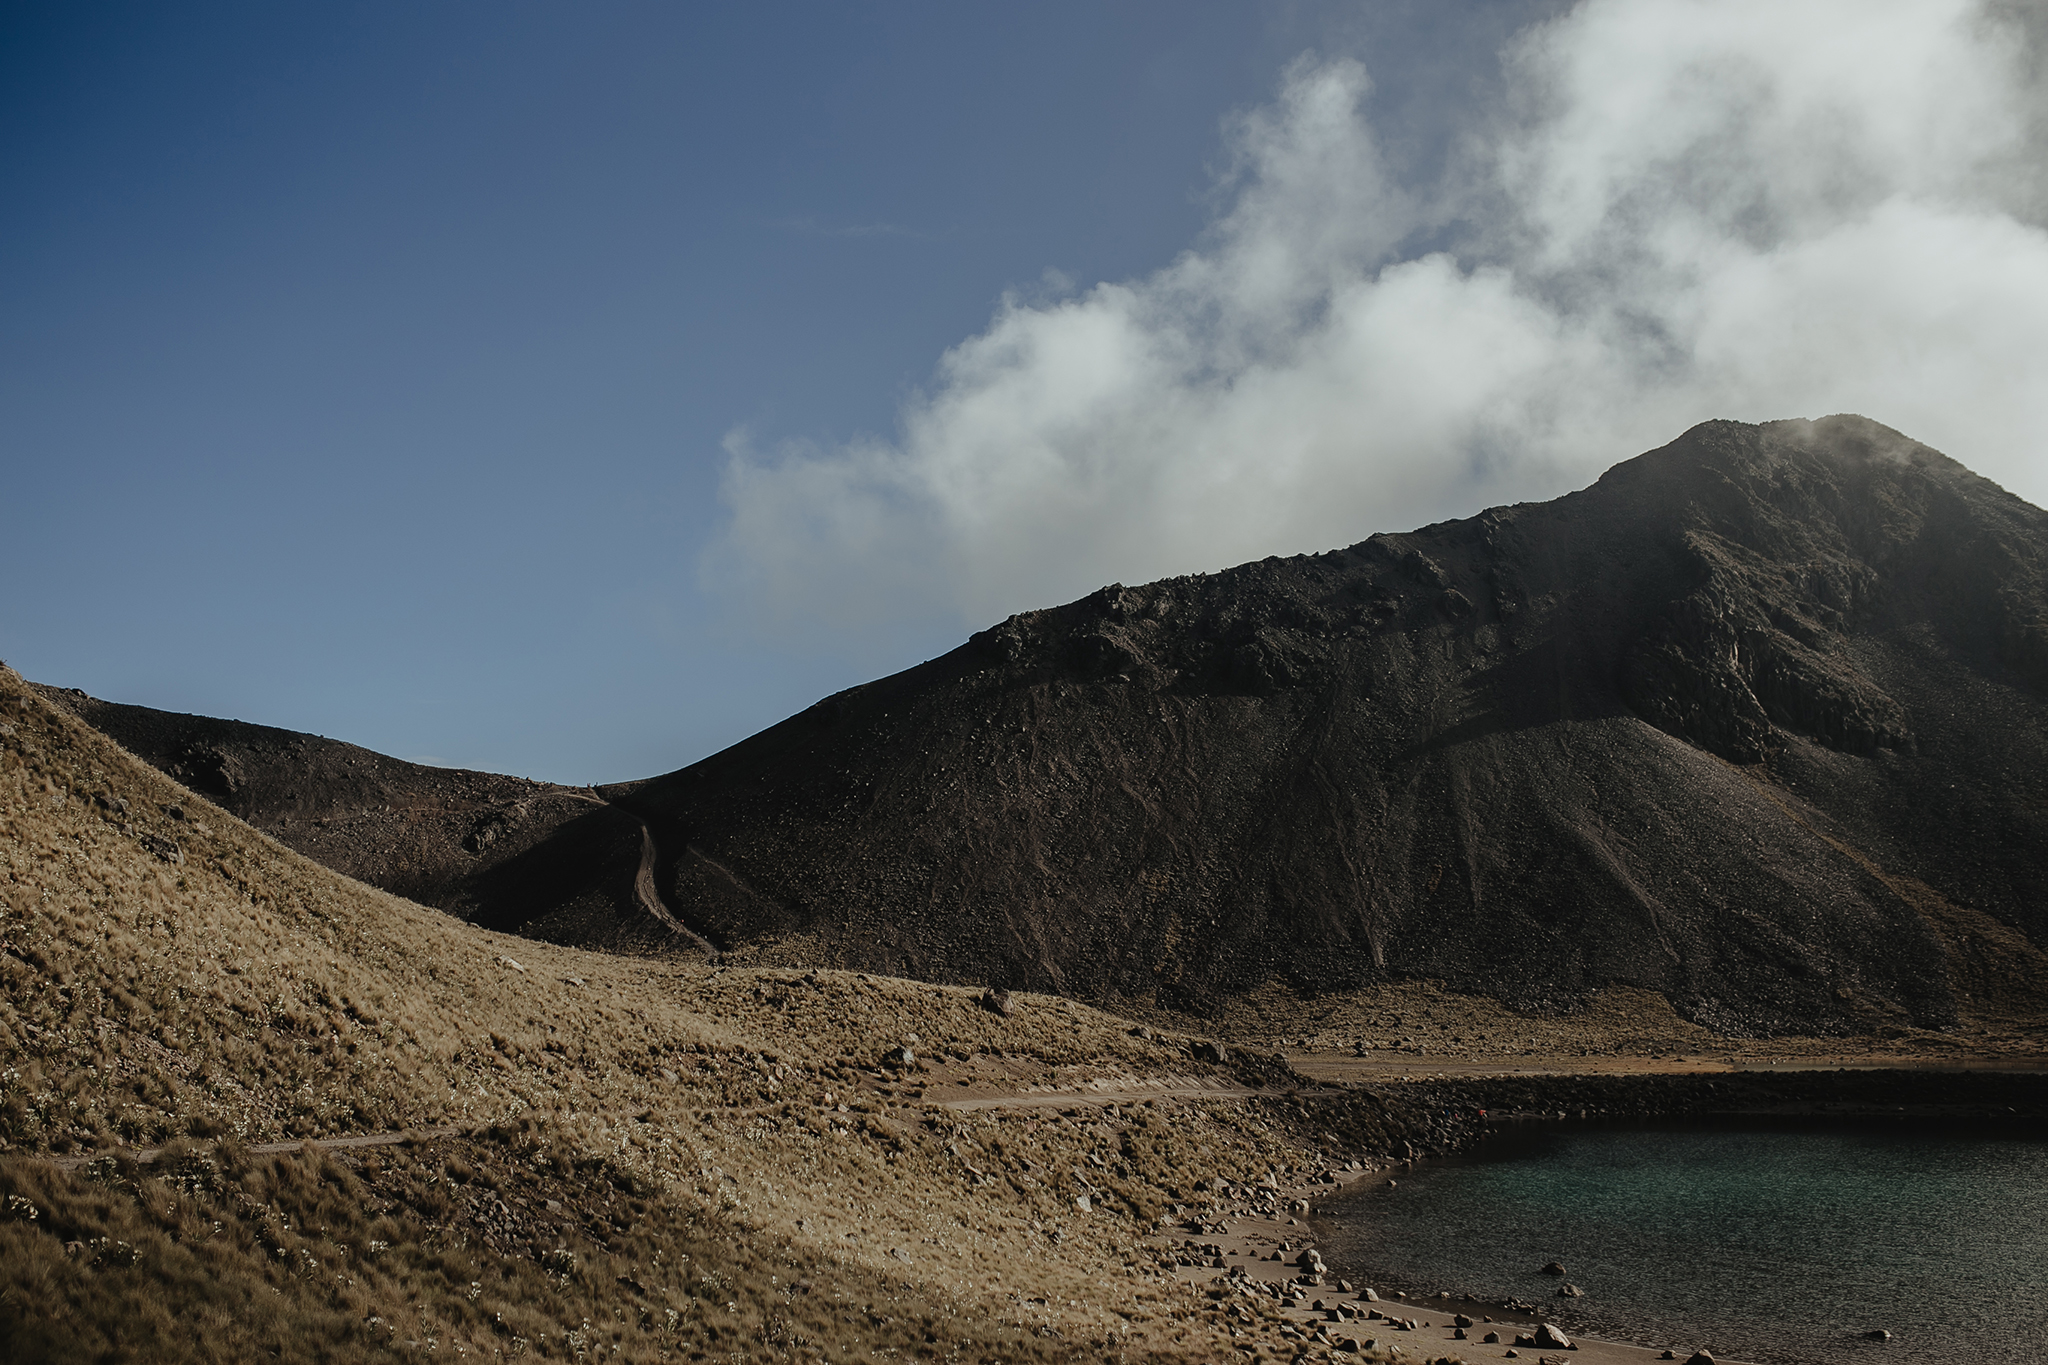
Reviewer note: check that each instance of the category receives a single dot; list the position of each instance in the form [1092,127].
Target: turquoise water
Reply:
[1771,1246]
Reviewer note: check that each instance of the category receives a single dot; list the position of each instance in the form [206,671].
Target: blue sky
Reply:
[573,390]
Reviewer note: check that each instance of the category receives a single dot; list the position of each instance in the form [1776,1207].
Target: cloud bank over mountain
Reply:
[1666,211]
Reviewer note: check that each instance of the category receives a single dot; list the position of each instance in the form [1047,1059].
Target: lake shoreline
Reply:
[1982,1108]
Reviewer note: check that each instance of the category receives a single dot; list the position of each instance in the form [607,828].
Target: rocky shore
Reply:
[1253,1245]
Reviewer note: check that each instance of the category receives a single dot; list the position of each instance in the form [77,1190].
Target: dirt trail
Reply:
[1113,1095]
[1053,1099]
[645,892]
[71,1163]
[1341,1069]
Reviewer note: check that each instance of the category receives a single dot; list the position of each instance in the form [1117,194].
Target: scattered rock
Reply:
[899,1057]
[999,1002]
[1461,1321]
[1491,1339]
[1554,1268]
[1570,1291]
[1878,1334]
[1206,1051]
[1549,1337]
[1700,1357]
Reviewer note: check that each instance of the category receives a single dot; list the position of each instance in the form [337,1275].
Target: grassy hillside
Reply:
[650,1161]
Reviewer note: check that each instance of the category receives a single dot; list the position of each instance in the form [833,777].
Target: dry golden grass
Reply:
[1425,1019]
[189,981]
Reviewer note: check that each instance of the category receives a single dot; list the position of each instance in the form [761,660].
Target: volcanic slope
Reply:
[1757,721]
[543,860]
[644,1158]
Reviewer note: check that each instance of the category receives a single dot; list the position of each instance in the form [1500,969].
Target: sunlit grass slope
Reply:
[653,1161]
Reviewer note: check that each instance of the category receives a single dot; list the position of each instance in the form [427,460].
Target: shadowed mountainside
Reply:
[548,861]
[1756,721]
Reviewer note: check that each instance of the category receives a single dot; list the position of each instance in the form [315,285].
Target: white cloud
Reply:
[1686,209]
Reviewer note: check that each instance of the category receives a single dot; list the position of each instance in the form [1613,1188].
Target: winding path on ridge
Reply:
[645,893]
[649,896]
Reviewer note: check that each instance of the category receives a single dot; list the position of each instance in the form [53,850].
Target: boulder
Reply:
[999,1002]
[1700,1357]
[1548,1337]
[1554,1268]
[1570,1291]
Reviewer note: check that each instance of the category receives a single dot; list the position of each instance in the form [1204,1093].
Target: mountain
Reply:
[553,862]
[1758,721]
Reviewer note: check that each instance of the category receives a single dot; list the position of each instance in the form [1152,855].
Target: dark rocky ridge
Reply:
[552,861]
[1758,721]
